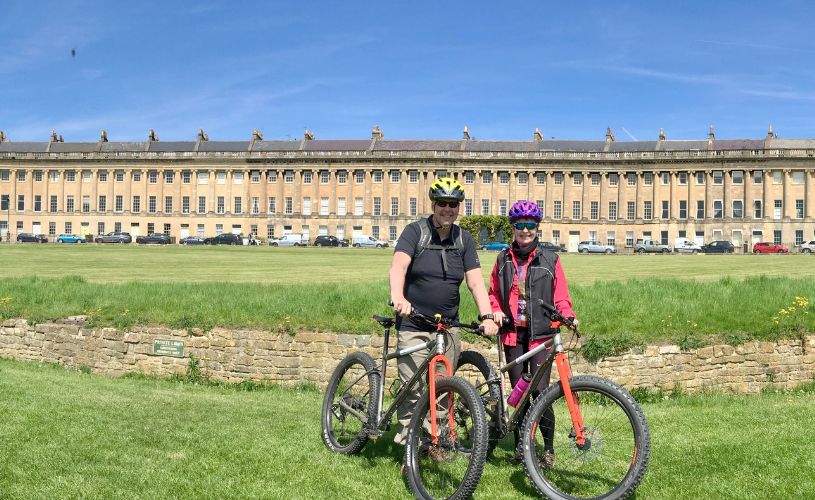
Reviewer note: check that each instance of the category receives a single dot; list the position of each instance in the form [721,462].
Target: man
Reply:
[432,257]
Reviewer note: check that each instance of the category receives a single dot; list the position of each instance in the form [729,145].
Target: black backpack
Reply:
[426,242]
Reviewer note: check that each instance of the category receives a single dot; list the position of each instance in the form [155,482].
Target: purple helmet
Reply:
[525,209]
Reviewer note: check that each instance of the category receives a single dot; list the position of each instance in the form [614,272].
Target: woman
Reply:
[522,275]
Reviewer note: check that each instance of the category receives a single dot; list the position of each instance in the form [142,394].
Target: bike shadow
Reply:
[384,447]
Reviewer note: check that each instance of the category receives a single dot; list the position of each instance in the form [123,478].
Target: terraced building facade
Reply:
[742,190]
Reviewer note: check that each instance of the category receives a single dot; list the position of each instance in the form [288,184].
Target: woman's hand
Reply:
[499,317]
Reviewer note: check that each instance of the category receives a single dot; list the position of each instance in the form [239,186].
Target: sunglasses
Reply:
[525,225]
[451,204]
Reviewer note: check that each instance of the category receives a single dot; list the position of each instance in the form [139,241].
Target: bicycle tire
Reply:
[474,368]
[442,471]
[614,462]
[343,431]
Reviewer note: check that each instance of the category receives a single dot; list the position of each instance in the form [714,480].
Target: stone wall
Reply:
[309,357]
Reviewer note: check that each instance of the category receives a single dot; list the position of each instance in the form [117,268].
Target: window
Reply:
[468,207]
[306,205]
[683,209]
[151,227]
[166,229]
[523,178]
[469,177]
[413,177]
[798,177]
[595,179]
[594,210]
[717,177]
[219,229]
[307,177]
[341,206]
[613,179]
[540,178]
[270,231]
[392,232]
[358,205]
[272,205]
[778,205]
[324,177]
[683,178]
[100,228]
[52,229]
[359,176]
[717,209]
[377,206]
[168,176]
[168,204]
[542,207]
[756,209]
[738,209]
[700,209]
[485,207]
[69,203]
[287,205]
[86,204]
[577,179]
[185,204]
[556,236]
[558,178]
[557,209]
[799,236]
[137,204]
[799,209]
[152,177]
[503,177]
[151,204]
[186,177]
[629,239]
[37,203]
[647,210]
[396,177]
[632,210]
[20,202]
[38,176]
[220,205]
[202,204]
[611,238]
[663,237]
[137,176]
[612,210]
[4,175]
[631,179]
[238,205]
[778,177]
[666,178]
[70,176]
[758,176]
[486,177]
[377,176]
[21,175]
[666,209]
[375,231]
[738,176]
[119,202]
[576,209]
[394,206]
[271,177]
[69,228]
[203,177]
[413,202]
[53,175]
[700,178]
[777,237]
[103,176]
[53,207]
[593,235]
[324,205]
[288,176]
[102,206]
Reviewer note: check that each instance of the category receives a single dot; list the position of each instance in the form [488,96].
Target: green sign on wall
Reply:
[166,347]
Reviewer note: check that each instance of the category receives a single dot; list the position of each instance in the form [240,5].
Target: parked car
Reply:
[70,238]
[224,239]
[808,247]
[31,238]
[718,246]
[153,238]
[494,245]
[114,237]
[684,245]
[595,247]
[767,247]
[289,240]
[368,241]
[191,240]
[329,241]
[546,245]
[651,246]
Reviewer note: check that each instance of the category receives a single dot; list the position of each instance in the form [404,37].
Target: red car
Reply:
[766,247]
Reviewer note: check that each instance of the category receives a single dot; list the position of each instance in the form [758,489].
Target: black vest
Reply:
[540,284]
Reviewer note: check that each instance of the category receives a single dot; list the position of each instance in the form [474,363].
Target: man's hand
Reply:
[490,327]
[401,306]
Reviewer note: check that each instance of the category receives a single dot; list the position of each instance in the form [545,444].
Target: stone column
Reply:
[600,210]
[785,212]
[708,205]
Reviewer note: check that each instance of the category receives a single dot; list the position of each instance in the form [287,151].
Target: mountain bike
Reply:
[447,436]
[599,436]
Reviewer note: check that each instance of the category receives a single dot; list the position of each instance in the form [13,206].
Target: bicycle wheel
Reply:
[612,462]
[451,467]
[475,369]
[349,407]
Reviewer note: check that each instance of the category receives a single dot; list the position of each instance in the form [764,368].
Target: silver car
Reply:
[595,247]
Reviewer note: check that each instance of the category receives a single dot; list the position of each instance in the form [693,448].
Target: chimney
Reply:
[609,135]
[710,136]
[466,133]
[152,137]
[770,132]
[54,137]
[103,137]
[202,136]
[376,133]
[308,135]
[662,136]
[3,137]
[257,135]
[537,136]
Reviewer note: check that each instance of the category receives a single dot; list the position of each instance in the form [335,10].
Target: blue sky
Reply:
[418,69]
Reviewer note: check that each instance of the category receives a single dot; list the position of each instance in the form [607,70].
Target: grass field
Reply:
[66,434]
[621,300]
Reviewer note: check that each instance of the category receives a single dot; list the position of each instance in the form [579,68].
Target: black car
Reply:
[31,238]
[551,246]
[192,240]
[153,238]
[224,239]
[718,247]
[329,241]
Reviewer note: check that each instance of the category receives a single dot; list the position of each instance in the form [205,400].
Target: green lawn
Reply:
[66,434]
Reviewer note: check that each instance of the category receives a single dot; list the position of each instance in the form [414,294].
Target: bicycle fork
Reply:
[565,373]
[432,374]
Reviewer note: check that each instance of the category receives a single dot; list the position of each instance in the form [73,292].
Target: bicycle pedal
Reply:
[373,436]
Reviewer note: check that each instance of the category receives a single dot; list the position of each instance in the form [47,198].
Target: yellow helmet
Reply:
[446,188]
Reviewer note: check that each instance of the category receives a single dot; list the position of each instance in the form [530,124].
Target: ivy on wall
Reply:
[495,226]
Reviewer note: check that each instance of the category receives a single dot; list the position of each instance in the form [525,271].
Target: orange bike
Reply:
[598,432]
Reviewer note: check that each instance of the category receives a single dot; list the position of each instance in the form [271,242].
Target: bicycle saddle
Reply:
[385,321]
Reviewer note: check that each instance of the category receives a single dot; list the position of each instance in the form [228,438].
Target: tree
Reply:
[494,224]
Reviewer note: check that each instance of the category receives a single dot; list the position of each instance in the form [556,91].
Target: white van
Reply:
[368,241]
[684,245]
[289,240]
